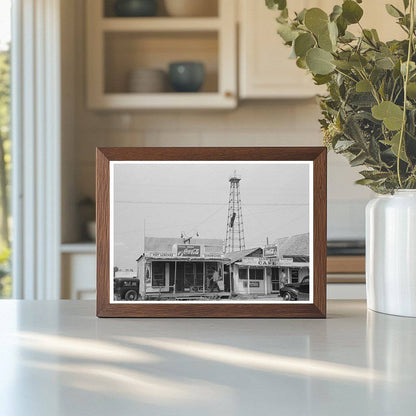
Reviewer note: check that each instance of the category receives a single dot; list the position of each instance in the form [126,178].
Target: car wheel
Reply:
[131,295]
[287,296]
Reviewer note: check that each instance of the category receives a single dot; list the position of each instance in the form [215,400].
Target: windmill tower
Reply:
[234,238]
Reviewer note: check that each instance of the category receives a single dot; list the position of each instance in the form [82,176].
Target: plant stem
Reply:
[345,75]
[406,80]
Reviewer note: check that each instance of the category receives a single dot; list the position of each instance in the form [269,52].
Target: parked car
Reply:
[296,291]
[126,288]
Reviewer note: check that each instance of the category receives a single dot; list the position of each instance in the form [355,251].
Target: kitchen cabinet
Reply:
[265,70]
[118,45]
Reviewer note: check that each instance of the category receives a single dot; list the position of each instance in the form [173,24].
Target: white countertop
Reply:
[58,359]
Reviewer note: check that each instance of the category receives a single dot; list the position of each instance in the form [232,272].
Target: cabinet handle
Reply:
[228,94]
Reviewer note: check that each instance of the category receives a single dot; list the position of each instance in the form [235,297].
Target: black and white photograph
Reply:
[203,231]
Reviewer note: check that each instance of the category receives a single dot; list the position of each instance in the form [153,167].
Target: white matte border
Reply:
[209,162]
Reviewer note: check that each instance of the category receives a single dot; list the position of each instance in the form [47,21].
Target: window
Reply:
[158,274]
[255,273]
[5,160]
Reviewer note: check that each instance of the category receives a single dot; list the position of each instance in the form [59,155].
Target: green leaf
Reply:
[375,35]
[411,90]
[316,20]
[348,37]
[412,67]
[393,11]
[300,17]
[406,4]
[364,181]
[343,145]
[358,61]
[319,61]
[336,12]
[358,160]
[276,4]
[391,114]
[325,42]
[303,43]
[375,175]
[385,63]
[301,63]
[321,79]
[374,150]
[286,32]
[394,145]
[343,65]
[363,86]
[342,25]
[351,11]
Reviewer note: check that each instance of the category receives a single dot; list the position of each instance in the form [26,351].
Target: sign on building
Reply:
[187,250]
[270,251]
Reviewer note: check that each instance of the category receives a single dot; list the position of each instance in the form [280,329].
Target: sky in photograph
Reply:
[4,23]
[165,200]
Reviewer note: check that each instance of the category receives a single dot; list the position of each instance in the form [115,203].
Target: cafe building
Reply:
[170,269]
[264,270]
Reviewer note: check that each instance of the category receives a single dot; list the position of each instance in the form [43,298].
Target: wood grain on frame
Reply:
[317,309]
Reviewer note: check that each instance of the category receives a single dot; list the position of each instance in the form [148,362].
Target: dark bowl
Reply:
[136,8]
[186,76]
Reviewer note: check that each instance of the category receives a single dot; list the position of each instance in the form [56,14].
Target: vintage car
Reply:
[296,291]
[126,288]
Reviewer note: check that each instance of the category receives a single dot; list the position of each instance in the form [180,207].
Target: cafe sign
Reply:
[259,261]
[270,251]
[188,250]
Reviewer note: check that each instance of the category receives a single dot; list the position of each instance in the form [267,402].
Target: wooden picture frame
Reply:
[316,308]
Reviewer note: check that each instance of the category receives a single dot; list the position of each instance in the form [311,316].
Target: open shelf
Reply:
[127,51]
[211,9]
[160,24]
[116,46]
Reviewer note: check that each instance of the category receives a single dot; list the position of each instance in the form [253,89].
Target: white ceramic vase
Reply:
[391,253]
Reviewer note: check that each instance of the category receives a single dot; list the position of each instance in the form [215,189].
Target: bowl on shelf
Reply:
[191,8]
[147,80]
[135,8]
[186,76]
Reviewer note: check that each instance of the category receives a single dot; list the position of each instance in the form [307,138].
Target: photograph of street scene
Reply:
[211,231]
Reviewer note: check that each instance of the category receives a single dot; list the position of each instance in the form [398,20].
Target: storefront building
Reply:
[170,269]
[263,271]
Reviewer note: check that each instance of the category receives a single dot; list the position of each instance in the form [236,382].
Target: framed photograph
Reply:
[211,232]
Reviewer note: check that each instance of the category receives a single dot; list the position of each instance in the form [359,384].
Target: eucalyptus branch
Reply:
[346,75]
[406,80]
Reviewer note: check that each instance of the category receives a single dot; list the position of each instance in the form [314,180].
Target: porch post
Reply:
[203,277]
[248,280]
[174,280]
[265,280]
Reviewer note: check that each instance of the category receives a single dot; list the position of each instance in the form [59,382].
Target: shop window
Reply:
[158,274]
[255,274]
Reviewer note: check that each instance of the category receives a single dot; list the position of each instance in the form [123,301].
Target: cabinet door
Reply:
[265,68]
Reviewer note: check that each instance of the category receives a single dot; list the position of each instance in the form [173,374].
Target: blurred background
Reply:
[145,73]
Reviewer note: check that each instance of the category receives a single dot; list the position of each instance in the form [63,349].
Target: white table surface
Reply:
[58,359]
